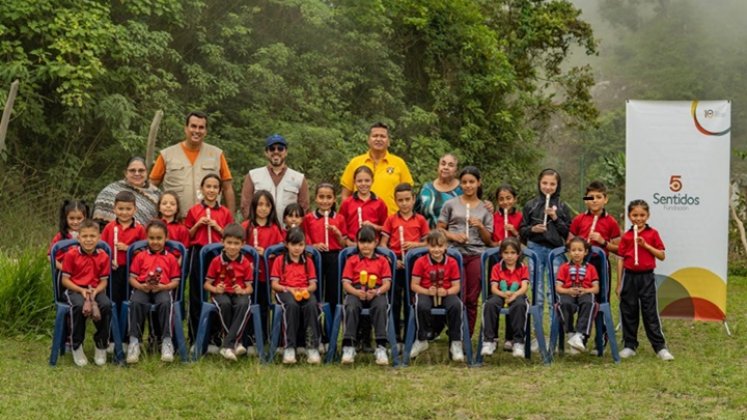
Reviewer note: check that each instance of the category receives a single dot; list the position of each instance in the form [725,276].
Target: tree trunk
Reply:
[6,116]
[152,134]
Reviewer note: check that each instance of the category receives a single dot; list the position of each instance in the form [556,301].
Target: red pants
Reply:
[472,288]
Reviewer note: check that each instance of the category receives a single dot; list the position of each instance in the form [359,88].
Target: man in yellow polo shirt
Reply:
[389,170]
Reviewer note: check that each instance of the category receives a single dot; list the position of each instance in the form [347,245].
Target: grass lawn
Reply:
[707,379]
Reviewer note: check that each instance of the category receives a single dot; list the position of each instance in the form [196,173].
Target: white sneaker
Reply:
[301,351]
[457,354]
[518,350]
[417,348]
[213,349]
[348,355]
[251,351]
[133,352]
[665,355]
[99,357]
[488,348]
[110,348]
[239,350]
[167,351]
[289,356]
[381,357]
[313,357]
[508,345]
[572,352]
[577,342]
[627,352]
[79,357]
[228,354]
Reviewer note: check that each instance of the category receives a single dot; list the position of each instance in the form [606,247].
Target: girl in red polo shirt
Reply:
[205,221]
[511,270]
[72,213]
[576,284]
[507,219]
[640,247]
[293,215]
[168,212]
[363,208]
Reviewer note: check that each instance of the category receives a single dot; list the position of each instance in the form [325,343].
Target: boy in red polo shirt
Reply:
[403,230]
[576,284]
[154,275]
[512,271]
[640,247]
[595,225]
[294,281]
[85,276]
[229,281]
[436,282]
[119,234]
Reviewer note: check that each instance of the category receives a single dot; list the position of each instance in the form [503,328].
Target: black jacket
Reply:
[534,214]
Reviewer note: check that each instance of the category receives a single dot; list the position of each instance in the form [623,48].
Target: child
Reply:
[168,212]
[359,269]
[512,271]
[576,284]
[507,219]
[119,234]
[293,215]
[72,213]
[545,225]
[229,281]
[154,275]
[403,231]
[205,222]
[363,208]
[85,275]
[294,282]
[638,286]
[436,282]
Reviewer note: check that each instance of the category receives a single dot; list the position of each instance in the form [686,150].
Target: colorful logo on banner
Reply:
[707,114]
[692,293]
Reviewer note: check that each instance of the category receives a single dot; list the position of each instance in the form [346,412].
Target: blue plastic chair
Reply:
[488,259]
[62,308]
[277,309]
[336,324]
[410,257]
[208,308]
[179,342]
[603,318]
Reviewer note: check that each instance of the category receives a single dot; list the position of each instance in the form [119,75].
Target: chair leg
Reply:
[327,311]
[333,335]
[392,337]
[181,343]
[203,329]
[259,339]
[117,334]
[409,337]
[277,321]
[59,327]
[539,331]
[610,327]
[466,338]
[599,333]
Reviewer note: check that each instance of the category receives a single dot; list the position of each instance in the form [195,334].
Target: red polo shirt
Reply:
[313,228]
[86,269]
[57,238]
[377,264]
[514,219]
[646,260]
[415,229]
[606,226]
[129,235]
[293,274]
[232,273]
[573,275]
[179,233]
[517,275]
[374,210]
[219,213]
[146,263]
[267,236]
[426,265]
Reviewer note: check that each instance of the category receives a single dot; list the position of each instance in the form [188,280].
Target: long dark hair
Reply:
[272,218]
[70,206]
[472,170]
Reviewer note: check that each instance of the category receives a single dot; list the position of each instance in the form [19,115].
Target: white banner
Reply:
[677,159]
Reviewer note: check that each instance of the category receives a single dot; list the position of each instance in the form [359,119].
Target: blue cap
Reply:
[275,139]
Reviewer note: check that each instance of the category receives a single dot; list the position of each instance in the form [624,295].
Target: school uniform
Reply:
[179,233]
[584,276]
[517,310]
[127,235]
[299,274]
[638,293]
[233,309]
[499,223]
[378,265]
[440,274]
[162,267]
[87,270]
[373,210]
[313,229]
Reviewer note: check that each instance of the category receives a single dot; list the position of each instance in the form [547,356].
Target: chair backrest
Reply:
[412,255]
[63,246]
[210,251]
[492,256]
[559,256]
[352,250]
[279,250]
[173,246]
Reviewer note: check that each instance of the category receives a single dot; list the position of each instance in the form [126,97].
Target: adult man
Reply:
[284,184]
[389,170]
[182,167]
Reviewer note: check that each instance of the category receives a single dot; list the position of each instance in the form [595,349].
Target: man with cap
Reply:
[284,184]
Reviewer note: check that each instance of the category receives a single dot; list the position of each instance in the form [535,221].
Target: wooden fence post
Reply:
[6,116]
[152,134]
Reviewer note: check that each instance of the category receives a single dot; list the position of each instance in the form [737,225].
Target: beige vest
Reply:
[286,192]
[183,178]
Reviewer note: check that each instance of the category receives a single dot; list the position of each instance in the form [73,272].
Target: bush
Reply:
[26,297]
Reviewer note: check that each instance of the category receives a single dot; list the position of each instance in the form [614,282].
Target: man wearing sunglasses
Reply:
[284,184]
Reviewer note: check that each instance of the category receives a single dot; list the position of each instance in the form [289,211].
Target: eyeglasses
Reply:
[136,171]
[276,148]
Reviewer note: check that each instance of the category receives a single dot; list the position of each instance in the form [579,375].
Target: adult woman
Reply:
[468,225]
[135,180]
[433,195]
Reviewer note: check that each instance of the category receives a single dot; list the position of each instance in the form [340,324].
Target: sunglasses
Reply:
[276,148]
